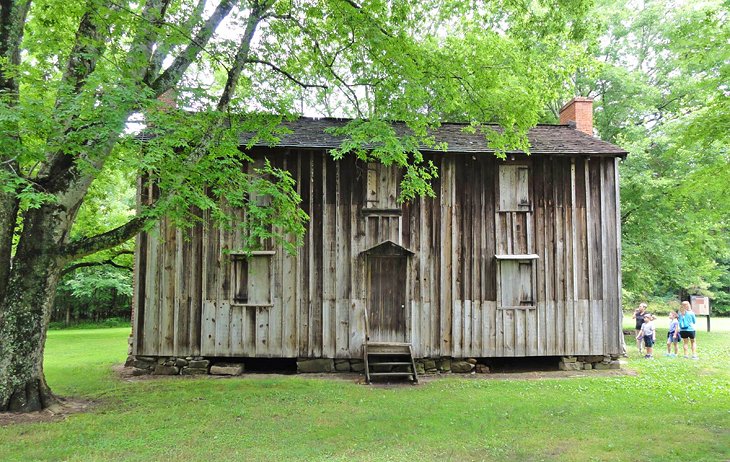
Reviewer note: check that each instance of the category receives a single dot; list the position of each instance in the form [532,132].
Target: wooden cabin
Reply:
[512,258]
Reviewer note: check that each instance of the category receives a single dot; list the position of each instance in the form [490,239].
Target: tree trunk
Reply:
[8,216]
[26,309]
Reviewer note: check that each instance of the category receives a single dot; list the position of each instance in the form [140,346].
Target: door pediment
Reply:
[388,249]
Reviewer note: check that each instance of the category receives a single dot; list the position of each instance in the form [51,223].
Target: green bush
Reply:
[106,323]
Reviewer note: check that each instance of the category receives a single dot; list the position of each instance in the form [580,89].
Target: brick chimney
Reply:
[169,99]
[578,112]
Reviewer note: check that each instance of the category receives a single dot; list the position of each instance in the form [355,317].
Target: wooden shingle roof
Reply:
[544,139]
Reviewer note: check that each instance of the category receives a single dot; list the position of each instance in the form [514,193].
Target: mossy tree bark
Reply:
[24,315]
[30,275]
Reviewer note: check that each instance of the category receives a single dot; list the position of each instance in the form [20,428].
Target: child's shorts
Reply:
[648,342]
[672,339]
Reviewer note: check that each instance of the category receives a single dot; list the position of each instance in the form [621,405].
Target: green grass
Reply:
[671,410]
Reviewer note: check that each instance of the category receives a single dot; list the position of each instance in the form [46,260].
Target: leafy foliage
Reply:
[75,75]
[660,82]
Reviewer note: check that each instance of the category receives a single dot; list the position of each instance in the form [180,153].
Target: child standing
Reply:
[673,335]
[639,317]
[687,322]
[648,335]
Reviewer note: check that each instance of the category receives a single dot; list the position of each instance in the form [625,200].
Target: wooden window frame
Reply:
[528,259]
[526,204]
[241,269]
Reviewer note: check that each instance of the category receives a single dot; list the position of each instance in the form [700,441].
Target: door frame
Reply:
[389,249]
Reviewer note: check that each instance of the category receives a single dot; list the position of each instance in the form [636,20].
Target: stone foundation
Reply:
[198,365]
[143,365]
[587,363]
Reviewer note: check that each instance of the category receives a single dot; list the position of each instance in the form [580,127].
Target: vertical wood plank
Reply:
[357,327]
[423,273]
[582,327]
[435,271]
[590,253]
[467,329]
[342,239]
[316,271]
[222,328]
[186,271]
[329,260]
[446,267]
[139,275]
[617,220]
[236,331]
[196,289]
[276,311]
[248,331]
[520,340]
[289,306]
[489,328]
[262,331]
[597,342]
[456,332]
[305,260]
[508,332]
[476,261]
[569,231]
[167,291]
[357,267]
[559,260]
[531,332]
[610,269]
[207,347]
[151,300]
[549,258]
[477,329]
[596,229]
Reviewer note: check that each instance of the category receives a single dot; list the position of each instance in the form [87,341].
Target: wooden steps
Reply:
[383,359]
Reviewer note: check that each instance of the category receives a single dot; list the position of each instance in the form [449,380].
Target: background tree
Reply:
[660,80]
[75,73]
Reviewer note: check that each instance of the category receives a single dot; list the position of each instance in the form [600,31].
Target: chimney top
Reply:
[579,111]
[168,99]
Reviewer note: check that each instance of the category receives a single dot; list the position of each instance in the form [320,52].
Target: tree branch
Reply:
[244,48]
[12,27]
[143,43]
[174,72]
[158,56]
[286,74]
[360,9]
[13,15]
[110,261]
[87,49]
[90,245]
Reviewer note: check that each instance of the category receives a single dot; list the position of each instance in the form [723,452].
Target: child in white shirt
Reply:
[673,337]
[648,334]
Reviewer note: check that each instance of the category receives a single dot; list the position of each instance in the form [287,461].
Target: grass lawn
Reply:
[671,410]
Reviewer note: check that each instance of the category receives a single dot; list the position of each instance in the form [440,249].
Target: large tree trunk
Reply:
[29,284]
[26,309]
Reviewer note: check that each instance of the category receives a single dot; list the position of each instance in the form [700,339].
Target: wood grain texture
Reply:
[457,298]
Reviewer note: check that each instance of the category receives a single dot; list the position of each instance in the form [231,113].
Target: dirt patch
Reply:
[55,413]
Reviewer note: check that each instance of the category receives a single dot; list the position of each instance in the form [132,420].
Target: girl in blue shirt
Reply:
[687,322]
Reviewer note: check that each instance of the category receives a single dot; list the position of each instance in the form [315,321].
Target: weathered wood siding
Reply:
[566,301]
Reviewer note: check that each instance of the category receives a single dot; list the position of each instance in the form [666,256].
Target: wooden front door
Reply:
[387,298]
